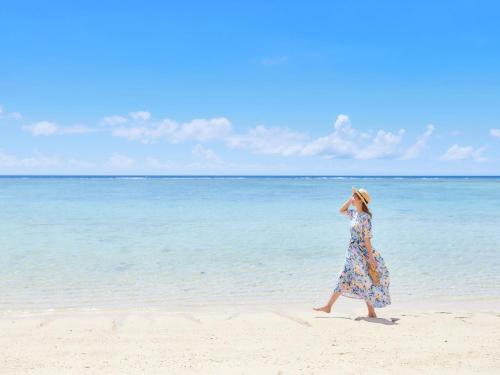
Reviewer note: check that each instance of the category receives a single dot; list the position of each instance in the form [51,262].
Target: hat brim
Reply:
[354,190]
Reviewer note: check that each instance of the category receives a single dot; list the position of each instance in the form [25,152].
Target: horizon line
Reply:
[235,175]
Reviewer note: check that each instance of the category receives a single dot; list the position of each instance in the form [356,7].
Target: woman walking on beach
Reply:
[355,280]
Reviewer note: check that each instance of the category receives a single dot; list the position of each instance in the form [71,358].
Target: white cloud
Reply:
[202,165]
[204,130]
[148,134]
[332,144]
[40,161]
[46,128]
[264,140]
[341,141]
[9,115]
[342,123]
[118,161]
[154,163]
[130,133]
[15,115]
[135,117]
[417,147]
[41,128]
[346,141]
[383,145]
[114,120]
[140,115]
[198,130]
[457,152]
[206,154]
[495,133]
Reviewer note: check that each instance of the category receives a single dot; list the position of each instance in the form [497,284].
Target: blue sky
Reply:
[261,87]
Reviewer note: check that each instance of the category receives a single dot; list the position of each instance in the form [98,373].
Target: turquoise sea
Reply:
[175,242]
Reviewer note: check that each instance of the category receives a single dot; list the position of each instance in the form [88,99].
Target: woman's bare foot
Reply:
[370,315]
[325,308]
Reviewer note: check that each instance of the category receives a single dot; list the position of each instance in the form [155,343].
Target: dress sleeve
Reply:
[349,213]
[366,226]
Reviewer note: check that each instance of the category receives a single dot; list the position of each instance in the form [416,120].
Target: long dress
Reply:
[354,280]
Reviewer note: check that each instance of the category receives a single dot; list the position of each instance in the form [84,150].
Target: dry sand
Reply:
[270,341]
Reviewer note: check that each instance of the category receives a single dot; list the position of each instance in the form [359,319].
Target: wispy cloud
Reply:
[46,128]
[383,145]
[41,128]
[495,133]
[140,115]
[9,115]
[120,161]
[134,117]
[40,160]
[114,120]
[457,152]
[346,141]
[202,164]
[414,150]
[205,153]
[202,130]
[265,140]
[155,163]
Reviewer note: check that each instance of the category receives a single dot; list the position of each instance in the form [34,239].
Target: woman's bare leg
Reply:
[328,307]
[371,310]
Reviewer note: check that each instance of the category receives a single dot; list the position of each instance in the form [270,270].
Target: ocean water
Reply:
[100,242]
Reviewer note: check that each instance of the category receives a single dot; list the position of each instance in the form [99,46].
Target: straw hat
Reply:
[363,194]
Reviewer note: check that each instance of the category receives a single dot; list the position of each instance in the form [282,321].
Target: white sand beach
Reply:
[269,341]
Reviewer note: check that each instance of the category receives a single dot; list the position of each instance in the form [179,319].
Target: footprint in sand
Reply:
[462,318]
[45,322]
[232,316]
[191,318]
[295,319]
[117,323]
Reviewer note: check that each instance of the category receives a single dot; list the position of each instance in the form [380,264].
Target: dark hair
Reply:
[365,209]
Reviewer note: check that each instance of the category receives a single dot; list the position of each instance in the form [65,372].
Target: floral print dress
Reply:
[354,280]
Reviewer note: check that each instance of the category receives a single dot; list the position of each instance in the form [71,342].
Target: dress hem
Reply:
[377,304]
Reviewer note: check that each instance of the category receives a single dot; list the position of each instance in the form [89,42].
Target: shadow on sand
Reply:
[390,322]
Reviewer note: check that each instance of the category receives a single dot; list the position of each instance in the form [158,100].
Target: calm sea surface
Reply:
[94,242]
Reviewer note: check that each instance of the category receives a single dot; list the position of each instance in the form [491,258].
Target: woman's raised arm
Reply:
[345,206]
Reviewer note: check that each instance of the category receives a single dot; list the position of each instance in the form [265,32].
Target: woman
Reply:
[354,280]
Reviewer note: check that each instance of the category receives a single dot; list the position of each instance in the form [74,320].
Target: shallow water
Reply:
[169,242]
